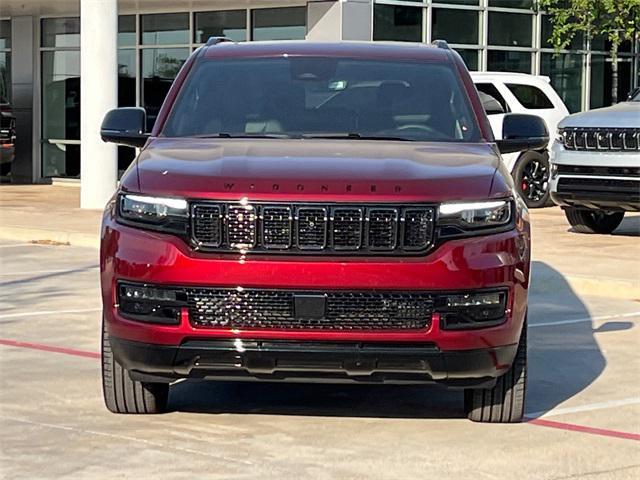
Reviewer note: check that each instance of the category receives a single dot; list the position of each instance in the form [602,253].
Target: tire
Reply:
[123,395]
[503,403]
[593,221]
[531,177]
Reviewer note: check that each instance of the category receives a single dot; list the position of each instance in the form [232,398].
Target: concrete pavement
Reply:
[583,392]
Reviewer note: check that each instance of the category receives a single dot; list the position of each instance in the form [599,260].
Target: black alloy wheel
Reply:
[531,177]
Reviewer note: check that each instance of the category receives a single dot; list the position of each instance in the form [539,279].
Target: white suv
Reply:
[595,166]
[522,93]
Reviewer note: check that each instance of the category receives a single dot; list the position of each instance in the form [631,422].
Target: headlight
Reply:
[156,213]
[471,218]
[560,136]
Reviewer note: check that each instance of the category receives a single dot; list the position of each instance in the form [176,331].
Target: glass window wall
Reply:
[447,25]
[229,23]
[508,61]
[165,29]
[279,23]
[565,72]
[397,22]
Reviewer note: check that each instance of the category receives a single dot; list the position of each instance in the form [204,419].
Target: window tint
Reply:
[491,90]
[529,96]
[294,97]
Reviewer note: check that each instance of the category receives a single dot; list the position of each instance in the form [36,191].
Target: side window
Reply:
[529,96]
[490,89]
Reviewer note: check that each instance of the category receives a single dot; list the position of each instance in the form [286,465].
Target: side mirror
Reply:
[125,126]
[491,105]
[521,132]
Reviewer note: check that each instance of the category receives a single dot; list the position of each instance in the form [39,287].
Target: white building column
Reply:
[99,93]
[331,20]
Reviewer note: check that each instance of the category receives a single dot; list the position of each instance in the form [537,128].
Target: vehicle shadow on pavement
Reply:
[630,226]
[564,359]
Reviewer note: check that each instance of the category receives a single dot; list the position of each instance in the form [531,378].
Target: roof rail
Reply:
[216,40]
[441,44]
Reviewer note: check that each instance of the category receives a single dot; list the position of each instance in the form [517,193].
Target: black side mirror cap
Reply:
[521,132]
[125,126]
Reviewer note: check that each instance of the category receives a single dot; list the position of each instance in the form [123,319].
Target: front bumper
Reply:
[499,261]
[595,191]
[331,362]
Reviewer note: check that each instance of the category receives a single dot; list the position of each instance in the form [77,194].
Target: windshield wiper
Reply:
[242,135]
[355,136]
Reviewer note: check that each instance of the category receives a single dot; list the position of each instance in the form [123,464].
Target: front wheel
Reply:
[504,403]
[531,178]
[123,395]
[593,221]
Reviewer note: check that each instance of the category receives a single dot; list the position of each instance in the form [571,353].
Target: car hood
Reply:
[626,114]
[340,170]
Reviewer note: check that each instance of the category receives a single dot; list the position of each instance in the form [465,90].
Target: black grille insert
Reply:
[276,309]
[313,229]
[595,138]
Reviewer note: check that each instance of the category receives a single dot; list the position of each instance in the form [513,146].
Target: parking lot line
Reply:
[529,418]
[149,443]
[47,312]
[39,272]
[572,427]
[586,408]
[49,348]
[584,319]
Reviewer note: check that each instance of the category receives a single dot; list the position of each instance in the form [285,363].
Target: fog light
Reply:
[133,292]
[474,300]
[472,310]
[150,304]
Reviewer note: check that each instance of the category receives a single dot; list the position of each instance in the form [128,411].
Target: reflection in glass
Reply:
[126,77]
[279,23]
[61,32]
[5,34]
[545,35]
[227,23]
[511,3]
[565,72]
[126,97]
[446,25]
[61,94]
[5,77]
[126,30]
[397,23]
[510,29]
[508,61]
[470,57]
[165,29]
[60,160]
[600,95]
[459,2]
[159,67]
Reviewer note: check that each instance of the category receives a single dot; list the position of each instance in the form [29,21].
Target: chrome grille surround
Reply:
[338,229]
[601,138]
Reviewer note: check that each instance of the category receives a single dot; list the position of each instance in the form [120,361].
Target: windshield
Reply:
[302,97]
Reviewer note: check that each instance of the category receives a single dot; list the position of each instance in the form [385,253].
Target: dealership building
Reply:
[63,63]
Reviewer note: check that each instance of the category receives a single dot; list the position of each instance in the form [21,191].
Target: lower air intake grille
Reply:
[277,309]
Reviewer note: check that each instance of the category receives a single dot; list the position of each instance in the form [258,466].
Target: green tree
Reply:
[615,20]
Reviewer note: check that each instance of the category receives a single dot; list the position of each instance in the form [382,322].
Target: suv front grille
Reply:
[276,309]
[312,228]
[604,139]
